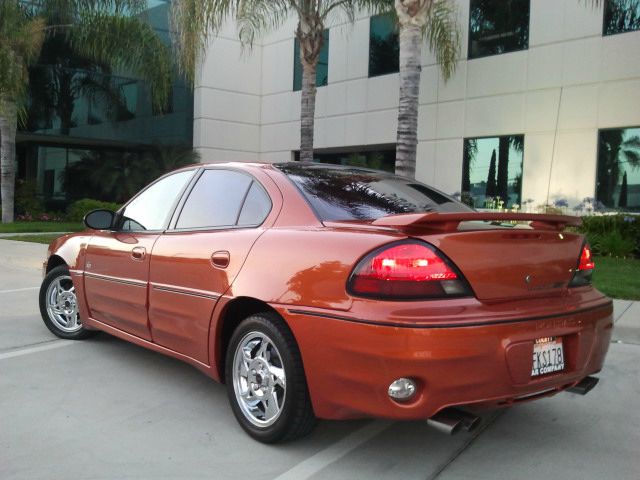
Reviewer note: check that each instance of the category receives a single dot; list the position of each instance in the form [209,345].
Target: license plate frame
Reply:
[548,356]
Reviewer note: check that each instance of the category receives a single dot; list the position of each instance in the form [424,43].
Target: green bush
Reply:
[613,235]
[77,210]
[26,199]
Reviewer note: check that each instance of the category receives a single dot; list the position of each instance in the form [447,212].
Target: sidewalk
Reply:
[29,234]
[626,315]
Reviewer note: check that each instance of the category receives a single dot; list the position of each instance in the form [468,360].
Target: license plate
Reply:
[548,356]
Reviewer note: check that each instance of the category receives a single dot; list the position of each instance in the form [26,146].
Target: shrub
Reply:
[77,210]
[613,235]
[26,200]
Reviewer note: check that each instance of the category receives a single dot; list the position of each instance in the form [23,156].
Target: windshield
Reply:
[347,193]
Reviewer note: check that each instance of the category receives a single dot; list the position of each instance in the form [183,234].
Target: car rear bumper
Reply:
[349,365]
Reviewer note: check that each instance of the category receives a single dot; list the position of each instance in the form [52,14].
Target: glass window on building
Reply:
[618,182]
[621,16]
[498,26]
[91,131]
[50,177]
[384,46]
[322,72]
[382,157]
[492,171]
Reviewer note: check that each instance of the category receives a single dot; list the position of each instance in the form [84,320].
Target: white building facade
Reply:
[570,80]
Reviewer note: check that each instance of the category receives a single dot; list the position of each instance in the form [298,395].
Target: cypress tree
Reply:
[622,200]
[492,190]
[503,169]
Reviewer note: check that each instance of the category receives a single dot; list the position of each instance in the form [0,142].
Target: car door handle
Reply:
[220,259]
[138,253]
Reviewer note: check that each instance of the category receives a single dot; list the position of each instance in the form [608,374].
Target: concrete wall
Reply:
[571,82]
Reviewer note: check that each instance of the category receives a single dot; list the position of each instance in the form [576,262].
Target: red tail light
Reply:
[586,261]
[408,270]
[584,271]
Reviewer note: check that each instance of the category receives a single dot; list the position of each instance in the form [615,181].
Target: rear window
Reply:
[338,193]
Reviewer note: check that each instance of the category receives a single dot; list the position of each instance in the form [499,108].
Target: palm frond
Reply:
[346,7]
[255,17]
[376,7]
[126,44]
[632,142]
[443,35]
[193,23]
[21,38]
[632,157]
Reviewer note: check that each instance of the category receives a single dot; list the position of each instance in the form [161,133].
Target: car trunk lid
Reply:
[503,256]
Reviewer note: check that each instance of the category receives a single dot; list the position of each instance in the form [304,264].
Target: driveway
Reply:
[106,409]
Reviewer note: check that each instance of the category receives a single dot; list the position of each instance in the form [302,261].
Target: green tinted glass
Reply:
[384,47]
[618,182]
[322,71]
[492,171]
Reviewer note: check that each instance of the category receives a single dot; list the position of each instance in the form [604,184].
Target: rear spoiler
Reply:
[449,222]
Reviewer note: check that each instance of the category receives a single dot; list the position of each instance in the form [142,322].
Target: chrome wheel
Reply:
[62,304]
[259,381]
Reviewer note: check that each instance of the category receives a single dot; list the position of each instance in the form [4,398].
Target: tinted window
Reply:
[618,184]
[492,171]
[215,200]
[498,26]
[379,159]
[256,206]
[356,194]
[384,46]
[621,16]
[151,209]
[322,70]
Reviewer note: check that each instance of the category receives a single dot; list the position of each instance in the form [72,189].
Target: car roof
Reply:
[297,165]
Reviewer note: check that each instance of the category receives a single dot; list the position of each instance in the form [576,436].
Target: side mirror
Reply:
[100,219]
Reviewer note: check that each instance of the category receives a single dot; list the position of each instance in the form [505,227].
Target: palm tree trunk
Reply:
[308,110]
[410,69]
[8,125]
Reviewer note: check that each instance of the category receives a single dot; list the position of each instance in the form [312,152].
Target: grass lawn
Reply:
[45,238]
[618,277]
[29,227]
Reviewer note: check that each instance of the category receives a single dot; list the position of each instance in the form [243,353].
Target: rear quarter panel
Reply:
[305,267]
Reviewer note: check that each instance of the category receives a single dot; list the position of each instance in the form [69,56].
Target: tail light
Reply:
[406,271]
[584,271]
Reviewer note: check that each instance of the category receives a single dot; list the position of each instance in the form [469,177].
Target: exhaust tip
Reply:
[584,386]
[450,421]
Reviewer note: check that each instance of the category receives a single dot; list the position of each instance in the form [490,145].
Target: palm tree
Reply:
[436,21]
[195,21]
[20,41]
[61,77]
[103,30]
[615,150]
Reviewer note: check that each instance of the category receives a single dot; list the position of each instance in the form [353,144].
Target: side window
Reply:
[151,209]
[256,207]
[216,200]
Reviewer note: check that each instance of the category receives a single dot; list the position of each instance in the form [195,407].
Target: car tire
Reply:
[59,305]
[266,385]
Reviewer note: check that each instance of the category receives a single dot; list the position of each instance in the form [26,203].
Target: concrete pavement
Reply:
[106,409]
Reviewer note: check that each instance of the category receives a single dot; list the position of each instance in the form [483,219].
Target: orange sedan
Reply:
[319,291]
